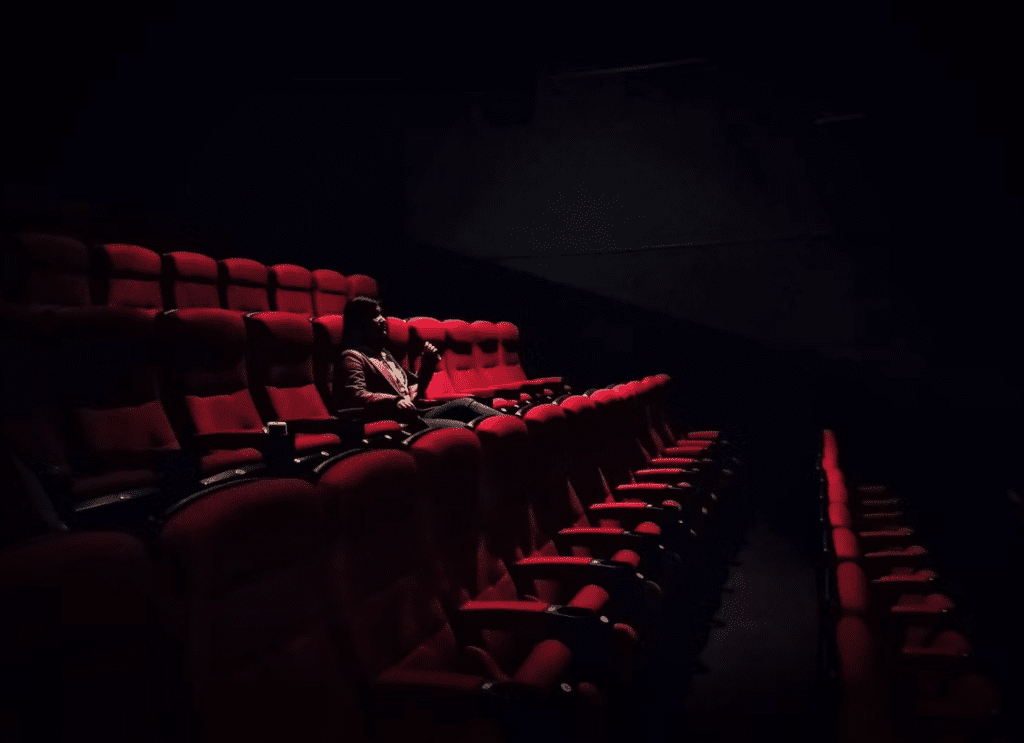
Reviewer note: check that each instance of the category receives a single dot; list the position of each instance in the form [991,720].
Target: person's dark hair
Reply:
[358,310]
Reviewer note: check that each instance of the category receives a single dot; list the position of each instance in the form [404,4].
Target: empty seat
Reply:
[107,453]
[45,272]
[280,369]
[78,640]
[390,614]
[207,390]
[330,292]
[458,357]
[129,277]
[510,369]
[244,285]
[291,289]
[244,570]
[189,280]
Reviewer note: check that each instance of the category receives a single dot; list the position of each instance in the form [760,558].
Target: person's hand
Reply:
[430,351]
[404,404]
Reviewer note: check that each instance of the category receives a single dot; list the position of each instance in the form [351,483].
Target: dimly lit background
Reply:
[811,219]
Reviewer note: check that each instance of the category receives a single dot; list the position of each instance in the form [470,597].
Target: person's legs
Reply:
[443,423]
[465,409]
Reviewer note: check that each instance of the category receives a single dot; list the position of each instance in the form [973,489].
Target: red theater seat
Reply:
[244,285]
[79,635]
[362,286]
[244,569]
[129,276]
[280,368]
[44,274]
[207,390]
[330,292]
[189,280]
[291,289]
[428,330]
[389,611]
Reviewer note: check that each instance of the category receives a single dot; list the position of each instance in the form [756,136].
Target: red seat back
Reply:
[363,286]
[280,368]
[327,333]
[51,270]
[78,634]
[378,568]
[129,276]
[291,289]
[428,330]
[244,285]
[511,365]
[207,387]
[458,356]
[247,595]
[189,280]
[330,292]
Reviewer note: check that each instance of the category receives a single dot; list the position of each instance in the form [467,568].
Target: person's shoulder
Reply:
[351,353]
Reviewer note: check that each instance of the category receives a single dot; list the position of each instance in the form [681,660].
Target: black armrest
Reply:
[599,539]
[629,515]
[231,440]
[318,425]
[576,572]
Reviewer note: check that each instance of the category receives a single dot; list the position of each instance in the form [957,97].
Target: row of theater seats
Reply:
[57,282]
[54,271]
[500,582]
[902,654]
[136,417]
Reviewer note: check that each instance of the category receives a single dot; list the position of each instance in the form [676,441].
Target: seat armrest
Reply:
[878,540]
[631,514]
[231,440]
[668,475]
[599,539]
[880,563]
[576,572]
[322,425]
[535,621]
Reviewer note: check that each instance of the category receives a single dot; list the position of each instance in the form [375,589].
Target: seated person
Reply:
[375,381]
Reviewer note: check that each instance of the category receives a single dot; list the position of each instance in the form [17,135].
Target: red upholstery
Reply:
[398,341]
[280,368]
[864,712]
[362,286]
[327,332]
[53,270]
[291,289]
[78,636]
[458,356]
[246,567]
[129,277]
[244,285]
[428,330]
[189,280]
[386,602]
[208,388]
[330,292]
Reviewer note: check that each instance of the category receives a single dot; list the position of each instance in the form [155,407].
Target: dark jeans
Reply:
[455,413]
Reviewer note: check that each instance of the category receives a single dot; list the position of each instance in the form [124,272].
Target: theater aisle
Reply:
[759,678]
[761,652]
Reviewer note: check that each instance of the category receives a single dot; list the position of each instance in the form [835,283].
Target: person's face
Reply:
[377,324]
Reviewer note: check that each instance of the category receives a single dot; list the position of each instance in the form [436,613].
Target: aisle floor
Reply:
[761,652]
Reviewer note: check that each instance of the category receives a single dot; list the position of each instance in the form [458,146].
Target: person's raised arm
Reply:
[428,366]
